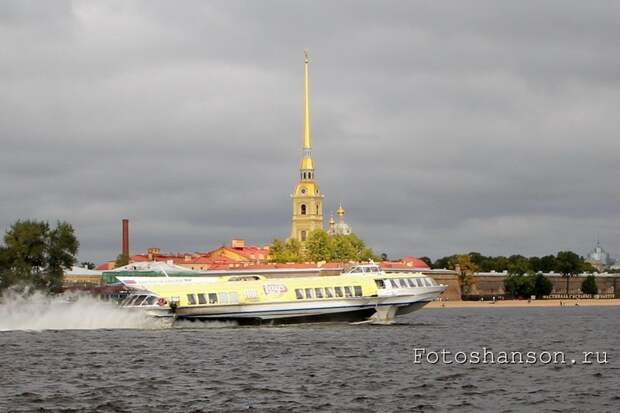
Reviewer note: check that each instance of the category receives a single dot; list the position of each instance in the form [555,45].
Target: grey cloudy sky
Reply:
[443,127]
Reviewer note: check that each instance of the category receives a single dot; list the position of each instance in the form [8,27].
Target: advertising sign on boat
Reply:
[274,289]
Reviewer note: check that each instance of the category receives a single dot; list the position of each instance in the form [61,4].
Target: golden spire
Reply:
[307,166]
[307,139]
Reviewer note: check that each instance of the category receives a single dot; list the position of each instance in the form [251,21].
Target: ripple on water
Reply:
[337,368]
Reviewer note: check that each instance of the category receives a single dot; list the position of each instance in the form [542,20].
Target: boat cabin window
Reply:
[380,284]
[348,292]
[338,291]
[433,282]
[358,290]
[150,300]
[309,293]
[403,283]
[318,292]
[393,283]
[191,299]
[202,299]
[245,278]
[212,298]
[356,269]
[299,294]
[129,299]
[427,282]
[419,282]
[251,294]
[229,298]
[329,292]
[139,300]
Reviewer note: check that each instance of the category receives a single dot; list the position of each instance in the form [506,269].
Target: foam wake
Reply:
[77,312]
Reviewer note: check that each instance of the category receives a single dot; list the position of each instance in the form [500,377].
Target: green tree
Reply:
[501,263]
[512,284]
[542,285]
[546,264]
[476,258]
[289,251]
[6,276]
[62,246]
[518,265]
[341,248]
[26,244]
[466,269]
[568,264]
[121,260]
[318,246]
[360,251]
[277,249]
[37,255]
[588,286]
[88,264]
[534,264]
[444,262]
[294,251]
[587,267]
[519,285]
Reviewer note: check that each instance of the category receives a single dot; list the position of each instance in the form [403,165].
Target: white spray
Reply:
[82,312]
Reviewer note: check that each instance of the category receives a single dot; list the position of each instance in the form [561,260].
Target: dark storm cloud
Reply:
[441,127]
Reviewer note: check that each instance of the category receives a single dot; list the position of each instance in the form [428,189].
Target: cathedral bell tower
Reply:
[307,198]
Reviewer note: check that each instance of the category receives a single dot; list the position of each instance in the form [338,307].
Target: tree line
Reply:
[525,274]
[35,254]
[564,262]
[320,246]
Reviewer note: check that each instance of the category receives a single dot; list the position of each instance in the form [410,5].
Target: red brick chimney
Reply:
[126,237]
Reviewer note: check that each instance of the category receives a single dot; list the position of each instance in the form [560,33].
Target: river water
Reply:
[312,367]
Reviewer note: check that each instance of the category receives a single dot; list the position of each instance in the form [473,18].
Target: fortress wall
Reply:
[488,285]
[605,284]
[453,293]
[494,284]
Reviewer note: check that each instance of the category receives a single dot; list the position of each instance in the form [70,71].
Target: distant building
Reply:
[227,256]
[599,258]
[340,227]
[81,276]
